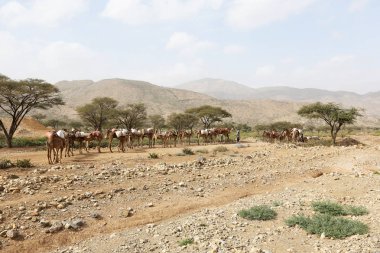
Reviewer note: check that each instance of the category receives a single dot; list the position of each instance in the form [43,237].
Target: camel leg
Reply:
[110,144]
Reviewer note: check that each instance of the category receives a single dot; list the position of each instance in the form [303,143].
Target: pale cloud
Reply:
[336,61]
[187,44]
[264,71]
[135,12]
[288,60]
[357,5]
[251,14]
[336,35]
[233,49]
[52,61]
[40,12]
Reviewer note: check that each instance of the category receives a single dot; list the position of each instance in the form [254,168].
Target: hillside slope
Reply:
[222,89]
[164,101]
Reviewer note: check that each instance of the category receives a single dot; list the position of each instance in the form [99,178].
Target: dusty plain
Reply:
[127,202]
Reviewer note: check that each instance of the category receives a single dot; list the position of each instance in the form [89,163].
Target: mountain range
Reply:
[247,105]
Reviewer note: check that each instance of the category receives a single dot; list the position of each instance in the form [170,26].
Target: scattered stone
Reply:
[13,234]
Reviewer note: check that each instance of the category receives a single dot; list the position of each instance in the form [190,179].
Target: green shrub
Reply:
[5,164]
[220,149]
[28,142]
[299,220]
[327,207]
[335,209]
[356,210]
[262,212]
[376,173]
[187,151]
[186,242]
[334,227]
[153,156]
[24,163]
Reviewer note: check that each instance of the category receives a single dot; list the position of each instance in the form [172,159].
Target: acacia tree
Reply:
[98,112]
[332,114]
[18,98]
[209,114]
[157,121]
[181,121]
[132,116]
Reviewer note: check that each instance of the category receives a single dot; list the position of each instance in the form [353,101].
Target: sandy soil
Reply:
[116,193]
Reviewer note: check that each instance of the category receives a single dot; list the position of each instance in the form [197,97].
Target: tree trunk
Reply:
[333,135]
[9,141]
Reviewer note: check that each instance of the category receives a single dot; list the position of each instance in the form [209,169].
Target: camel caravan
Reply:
[289,135]
[62,141]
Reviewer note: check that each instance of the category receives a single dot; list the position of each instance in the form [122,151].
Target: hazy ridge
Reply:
[247,105]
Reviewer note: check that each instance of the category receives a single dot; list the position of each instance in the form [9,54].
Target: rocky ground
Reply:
[130,203]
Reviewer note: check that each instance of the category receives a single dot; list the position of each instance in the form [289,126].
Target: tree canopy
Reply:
[132,116]
[181,121]
[209,114]
[18,98]
[98,112]
[332,114]
[157,121]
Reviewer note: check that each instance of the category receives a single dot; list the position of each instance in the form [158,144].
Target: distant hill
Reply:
[223,89]
[220,89]
[157,99]
[164,100]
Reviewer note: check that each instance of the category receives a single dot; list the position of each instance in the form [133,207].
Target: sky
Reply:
[326,44]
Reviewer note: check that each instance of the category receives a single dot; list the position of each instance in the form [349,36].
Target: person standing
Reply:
[238,136]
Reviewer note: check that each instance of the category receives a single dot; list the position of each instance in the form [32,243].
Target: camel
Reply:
[159,136]
[149,132]
[54,144]
[185,134]
[224,132]
[121,135]
[206,134]
[286,134]
[171,134]
[95,135]
[135,135]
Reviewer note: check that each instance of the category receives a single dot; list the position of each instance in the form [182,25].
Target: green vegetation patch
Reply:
[5,164]
[335,209]
[24,163]
[25,142]
[185,242]
[153,156]
[331,226]
[261,212]
[188,151]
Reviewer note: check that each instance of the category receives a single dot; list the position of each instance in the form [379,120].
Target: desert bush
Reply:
[188,151]
[202,151]
[5,164]
[331,226]
[24,163]
[327,207]
[220,149]
[335,209]
[25,142]
[153,156]
[185,242]
[262,212]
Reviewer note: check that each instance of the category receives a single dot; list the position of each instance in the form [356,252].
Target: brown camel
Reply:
[56,145]
[121,135]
